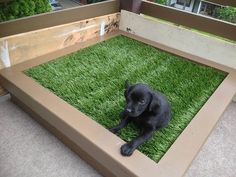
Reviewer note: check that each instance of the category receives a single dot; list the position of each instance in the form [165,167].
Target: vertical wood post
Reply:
[131,5]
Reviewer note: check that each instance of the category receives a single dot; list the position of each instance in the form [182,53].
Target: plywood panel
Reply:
[55,18]
[191,20]
[26,46]
[29,45]
[180,38]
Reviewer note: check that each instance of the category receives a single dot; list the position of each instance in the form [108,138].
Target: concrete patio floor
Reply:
[27,149]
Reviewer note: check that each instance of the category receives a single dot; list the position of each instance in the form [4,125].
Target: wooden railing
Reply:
[224,2]
[199,22]
[58,17]
[191,20]
[221,2]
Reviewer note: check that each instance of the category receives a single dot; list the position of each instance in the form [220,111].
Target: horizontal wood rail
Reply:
[81,1]
[224,2]
[199,22]
[58,17]
[221,2]
[29,45]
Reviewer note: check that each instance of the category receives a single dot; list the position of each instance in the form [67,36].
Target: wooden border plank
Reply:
[180,53]
[58,17]
[76,127]
[72,123]
[67,141]
[221,2]
[180,38]
[29,45]
[191,20]
[180,155]
[224,2]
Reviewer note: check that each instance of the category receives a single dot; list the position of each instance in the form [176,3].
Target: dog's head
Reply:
[139,98]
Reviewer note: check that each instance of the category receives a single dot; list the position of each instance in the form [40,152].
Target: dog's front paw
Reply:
[127,149]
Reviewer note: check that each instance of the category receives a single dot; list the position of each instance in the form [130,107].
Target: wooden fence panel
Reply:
[26,46]
[58,18]
[199,22]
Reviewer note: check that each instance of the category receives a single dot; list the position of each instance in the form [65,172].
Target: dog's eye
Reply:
[142,101]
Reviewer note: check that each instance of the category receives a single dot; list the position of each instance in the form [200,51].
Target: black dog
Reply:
[149,109]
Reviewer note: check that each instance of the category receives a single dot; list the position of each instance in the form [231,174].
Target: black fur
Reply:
[148,109]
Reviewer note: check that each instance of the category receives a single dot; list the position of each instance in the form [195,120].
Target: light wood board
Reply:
[26,46]
[176,37]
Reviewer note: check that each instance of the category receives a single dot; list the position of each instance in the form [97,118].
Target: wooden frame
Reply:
[191,20]
[39,42]
[22,47]
[74,128]
[180,38]
[224,2]
[51,19]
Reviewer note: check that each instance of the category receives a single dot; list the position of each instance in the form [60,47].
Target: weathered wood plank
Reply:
[225,2]
[177,37]
[181,17]
[221,2]
[26,46]
[29,45]
[55,18]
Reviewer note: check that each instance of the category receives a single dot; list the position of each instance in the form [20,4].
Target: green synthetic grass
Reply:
[92,80]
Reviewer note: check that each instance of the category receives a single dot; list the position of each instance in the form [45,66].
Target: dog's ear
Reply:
[154,103]
[128,87]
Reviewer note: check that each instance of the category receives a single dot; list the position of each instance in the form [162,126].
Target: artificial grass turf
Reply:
[92,80]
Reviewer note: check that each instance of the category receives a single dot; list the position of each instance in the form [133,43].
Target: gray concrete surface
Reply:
[217,157]
[28,150]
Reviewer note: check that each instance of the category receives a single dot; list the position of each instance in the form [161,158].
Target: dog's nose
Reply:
[128,110]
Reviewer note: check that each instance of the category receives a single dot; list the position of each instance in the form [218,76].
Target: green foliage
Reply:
[94,1]
[161,2]
[92,80]
[226,13]
[22,8]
